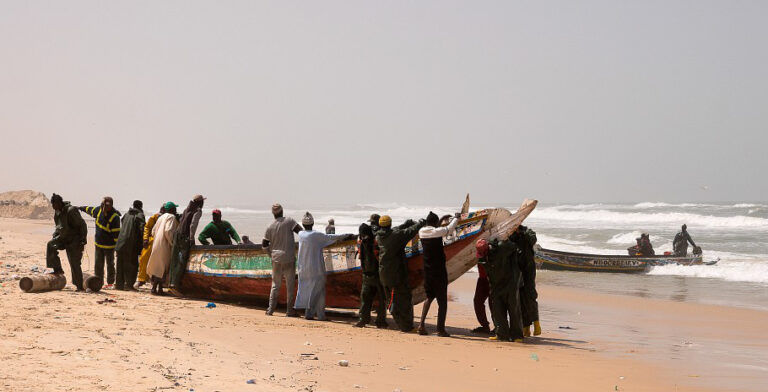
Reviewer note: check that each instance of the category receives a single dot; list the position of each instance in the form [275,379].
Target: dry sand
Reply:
[66,341]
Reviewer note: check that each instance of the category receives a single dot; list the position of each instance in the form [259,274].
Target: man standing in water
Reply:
[393,268]
[680,243]
[71,235]
[435,273]
[278,241]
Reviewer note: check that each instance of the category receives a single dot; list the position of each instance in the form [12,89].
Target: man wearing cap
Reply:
[435,273]
[160,258]
[371,289]
[107,230]
[147,242]
[331,228]
[129,244]
[279,242]
[374,221]
[219,231]
[311,269]
[393,268]
[71,235]
[185,238]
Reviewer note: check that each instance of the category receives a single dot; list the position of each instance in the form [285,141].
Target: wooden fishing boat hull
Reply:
[243,273]
[548,259]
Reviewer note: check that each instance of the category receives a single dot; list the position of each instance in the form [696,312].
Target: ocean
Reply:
[734,233]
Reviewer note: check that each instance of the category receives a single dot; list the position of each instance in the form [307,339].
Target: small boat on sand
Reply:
[566,261]
[244,272]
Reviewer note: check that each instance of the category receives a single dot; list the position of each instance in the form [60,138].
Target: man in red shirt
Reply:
[482,293]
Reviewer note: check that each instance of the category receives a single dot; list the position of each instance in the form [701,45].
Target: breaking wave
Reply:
[616,218]
[738,271]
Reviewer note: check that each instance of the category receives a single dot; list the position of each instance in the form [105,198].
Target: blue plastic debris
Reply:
[210,305]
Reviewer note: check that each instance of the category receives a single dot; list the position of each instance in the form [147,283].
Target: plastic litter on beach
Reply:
[210,305]
[307,343]
[535,357]
[106,301]
[404,368]
[251,381]
[343,363]
[565,327]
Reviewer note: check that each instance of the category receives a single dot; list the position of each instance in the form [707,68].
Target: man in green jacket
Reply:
[371,290]
[500,259]
[219,231]
[71,235]
[393,268]
[525,239]
[107,230]
[129,245]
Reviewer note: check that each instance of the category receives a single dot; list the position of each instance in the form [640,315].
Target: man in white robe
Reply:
[160,259]
[311,269]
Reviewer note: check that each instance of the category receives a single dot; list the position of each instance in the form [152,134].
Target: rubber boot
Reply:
[536,328]
[527,331]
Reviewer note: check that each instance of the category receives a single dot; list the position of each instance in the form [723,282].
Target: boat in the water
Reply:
[566,261]
[243,273]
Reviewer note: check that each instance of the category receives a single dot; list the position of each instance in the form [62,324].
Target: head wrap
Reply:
[308,220]
[374,219]
[216,212]
[169,205]
[277,209]
[433,219]
[198,198]
[55,198]
[482,248]
[385,221]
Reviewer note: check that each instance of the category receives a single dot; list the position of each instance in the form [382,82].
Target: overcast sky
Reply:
[385,101]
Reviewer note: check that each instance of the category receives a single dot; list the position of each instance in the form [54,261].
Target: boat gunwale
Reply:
[642,258]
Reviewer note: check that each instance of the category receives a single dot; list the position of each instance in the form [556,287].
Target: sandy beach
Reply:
[67,341]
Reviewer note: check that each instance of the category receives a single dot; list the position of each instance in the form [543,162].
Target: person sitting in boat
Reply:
[646,249]
[219,231]
[247,240]
[331,228]
[680,243]
[635,250]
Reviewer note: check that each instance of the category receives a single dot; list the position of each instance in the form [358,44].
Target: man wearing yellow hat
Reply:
[393,268]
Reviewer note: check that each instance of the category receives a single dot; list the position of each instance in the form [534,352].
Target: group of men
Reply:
[154,250]
[644,247]
[507,280]
[145,247]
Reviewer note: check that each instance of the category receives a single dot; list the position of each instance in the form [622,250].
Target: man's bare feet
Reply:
[422,331]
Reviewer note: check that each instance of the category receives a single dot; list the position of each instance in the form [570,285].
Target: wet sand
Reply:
[67,341]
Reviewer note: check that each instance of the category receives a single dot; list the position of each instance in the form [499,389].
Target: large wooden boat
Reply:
[565,261]
[243,273]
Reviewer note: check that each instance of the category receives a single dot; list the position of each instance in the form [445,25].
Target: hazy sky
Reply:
[385,101]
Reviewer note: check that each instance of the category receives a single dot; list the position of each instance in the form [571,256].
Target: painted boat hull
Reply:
[242,273]
[548,259]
